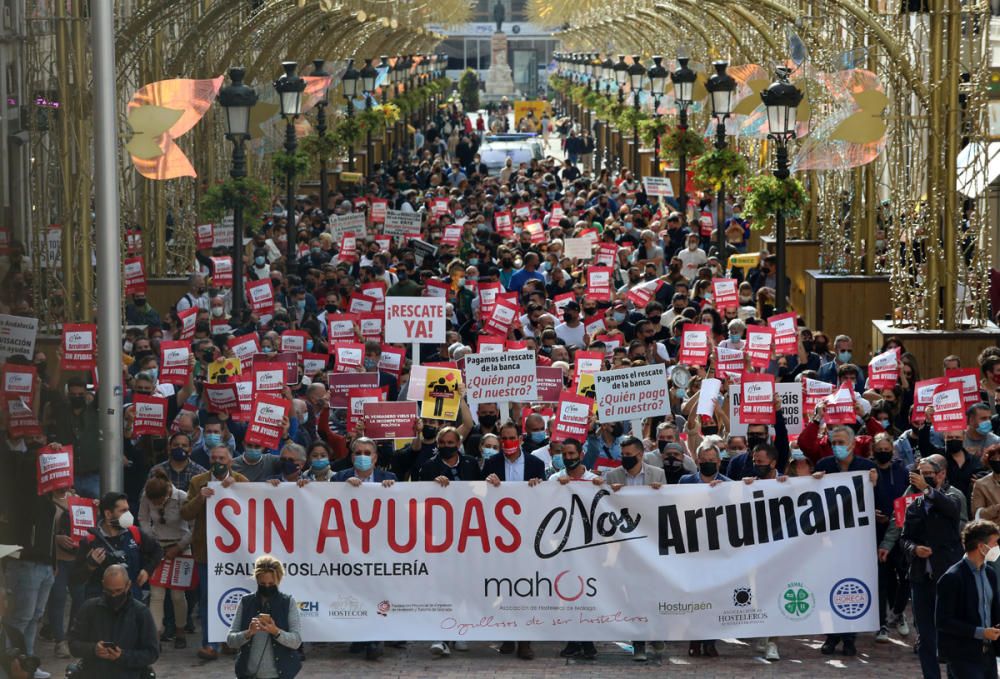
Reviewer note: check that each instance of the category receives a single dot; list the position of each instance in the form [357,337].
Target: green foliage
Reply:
[630,118]
[468,89]
[294,164]
[767,196]
[591,99]
[219,199]
[347,131]
[718,167]
[650,129]
[682,142]
[370,120]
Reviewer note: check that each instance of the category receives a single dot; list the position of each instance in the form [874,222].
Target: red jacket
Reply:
[816,448]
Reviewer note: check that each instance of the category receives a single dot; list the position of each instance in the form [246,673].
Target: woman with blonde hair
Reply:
[266,627]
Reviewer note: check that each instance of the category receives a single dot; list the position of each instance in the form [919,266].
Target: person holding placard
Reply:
[963,466]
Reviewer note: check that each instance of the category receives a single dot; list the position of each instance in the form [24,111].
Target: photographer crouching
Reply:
[14,661]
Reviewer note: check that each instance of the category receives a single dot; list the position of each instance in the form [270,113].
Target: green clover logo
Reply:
[796,601]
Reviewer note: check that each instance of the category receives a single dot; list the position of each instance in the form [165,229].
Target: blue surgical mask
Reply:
[362,462]
[370,364]
[489,452]
[841,452]
[885,424]
[268,350]
[547,266]
[320,465]
[734,338]
[984,427]
[309,345]
[797,454]
[681,394]
[259,261]
[473,261]
[618,316]
[253,454]
[844,357]
[300,305]
[212,440]
[537,436]
[557,461]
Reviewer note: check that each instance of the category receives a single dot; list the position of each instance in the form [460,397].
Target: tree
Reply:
[468,90]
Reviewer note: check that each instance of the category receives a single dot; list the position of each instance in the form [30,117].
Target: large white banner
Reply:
[553,562]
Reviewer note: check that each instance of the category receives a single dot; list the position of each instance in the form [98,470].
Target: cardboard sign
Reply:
[572,418]
[725,293]
[348,251]
[266,421]
[244,347]
[599,285]
[501,377]
[175,362]
[223,369]
[452,236]
[883,370]
[923,396]
[205,236]
[260,294]
[577,248]
[378,209]
[706,224]
[150,415]
[418,320]
[757,399]
[135,276]
[588,362]
[188,319]
[356,400]
[402,224]
[361,304]
[813,391]
[348,356]
[549,384]
[436,288]
[19,381]
[222,272]
[21,419]
[244,393]
[502,318]
[439,206]
[504,224]
[594,325]
[840,407]
[969,377]
[178,573]
[642,294]
[488,293]
[82,516]
[341,327]
[522,210]
[351,223]
[341,383]
[606,254]
[759,345]
[372,325]
[314,363]
[490,344]
[949,410]
[729,362]
[632,393]
[17,336]
[392,360]
[556,215]
[536,230]
[295,341]
[695,345]
[899,506]
[79,346]
[223,235]
[441,399]
[661,187]
[392,420]
[222,398]
[786,341]
[268,377]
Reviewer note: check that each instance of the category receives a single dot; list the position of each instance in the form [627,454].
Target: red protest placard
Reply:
[356,400]
[79,346]
[205,235]
[135,276]
[923,396]
[728,362]
[392,360]
[222,398]
[969,377]
[175,364]
[490,344]
[949,410]
[244,347]
[348,248]
[267,413]
[19,382]
[537,231]
[706,224]
[260,295]
[294,341]
[695,344]
[757,399]
[341,327]
[439,206]
[588,362]
[556,215]
[786,341]
[840,407]
[379,206]
[342,383]
[150,415]
[899,506]
[599,285]
[21,419]
[436,288]
[178,573]
[883,370]
[82,516]
[550,384]
[522,210]
[594,325]
[642,294]
[268,377]
[348,356]
[572,417]
[488,293]
[222,272]
[502,319]
[188,319]
[606,254]
[725,294]
[361,304]
[759,346]
[452,235]
[504,224]
[813,391]
[314,363]
[560,302]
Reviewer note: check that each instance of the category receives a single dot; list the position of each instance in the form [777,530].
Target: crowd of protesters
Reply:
[655,248]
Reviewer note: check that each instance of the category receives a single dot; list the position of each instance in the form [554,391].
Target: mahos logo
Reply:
[565,585]
[229,603]
[850,598]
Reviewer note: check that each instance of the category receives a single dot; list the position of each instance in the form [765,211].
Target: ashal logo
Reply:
[309,609]
[796,601]
[742,596]
[850,598]
[566,586]
[229,603]
[683,607]
[383,608]
[346,607]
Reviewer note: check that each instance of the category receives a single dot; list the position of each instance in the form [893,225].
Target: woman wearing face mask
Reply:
[489,445]
[893,478]
[319,463]
[266,627]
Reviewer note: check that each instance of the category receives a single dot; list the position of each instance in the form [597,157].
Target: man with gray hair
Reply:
[196,296]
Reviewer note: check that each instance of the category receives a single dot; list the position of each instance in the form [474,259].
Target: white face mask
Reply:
[993,554]
[126,520]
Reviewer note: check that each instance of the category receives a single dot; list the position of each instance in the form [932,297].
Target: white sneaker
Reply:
[772,652]
[461,645]
[902,627]
[760,646]
[883,635]
[440,648]
[62,649]
[42,674]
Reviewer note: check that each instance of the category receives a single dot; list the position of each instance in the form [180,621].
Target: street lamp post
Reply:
[236,100]
[321,131]
[608,69]
[621,77]
[657,86]
[721,87]
[636,76]
[782,100]
[289,88]
[683,79]
[349,84]
[368,77]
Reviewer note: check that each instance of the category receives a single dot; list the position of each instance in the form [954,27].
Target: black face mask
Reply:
[762,471]
[662,444]
[116,601]
[447,452]
[331,308]
[572,464]
[617,429]
[954,446]
[487,421]
[883,456]
[930,481]
[266,591]
[708,468]
[754,440]
[429,432]
[711,430]
[77,402]
[629,462]
[671,464]
[995,466]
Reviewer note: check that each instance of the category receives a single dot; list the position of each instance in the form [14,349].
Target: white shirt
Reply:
[200,301]
[691,261]
[637,480]
[587,476]
[514,471]
[571,337]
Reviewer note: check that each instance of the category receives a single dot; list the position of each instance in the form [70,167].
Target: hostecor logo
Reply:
[229,603]
[850,598]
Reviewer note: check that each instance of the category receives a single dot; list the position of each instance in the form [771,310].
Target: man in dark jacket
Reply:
[968,607]
[931,541]
[114,634]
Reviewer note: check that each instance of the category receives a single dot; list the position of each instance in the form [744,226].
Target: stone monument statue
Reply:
[498,15]
[499,79]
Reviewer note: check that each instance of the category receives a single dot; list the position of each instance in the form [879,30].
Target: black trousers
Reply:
[983,667]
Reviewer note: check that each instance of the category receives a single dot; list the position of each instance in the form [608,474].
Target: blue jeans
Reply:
[28,585]
[924,595]
[61,588]
[88,485]
[203,611]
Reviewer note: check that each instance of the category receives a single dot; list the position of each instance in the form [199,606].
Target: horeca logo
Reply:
[229,603]
[850,598]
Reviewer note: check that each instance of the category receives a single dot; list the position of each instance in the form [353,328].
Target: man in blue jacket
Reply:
[364,456]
